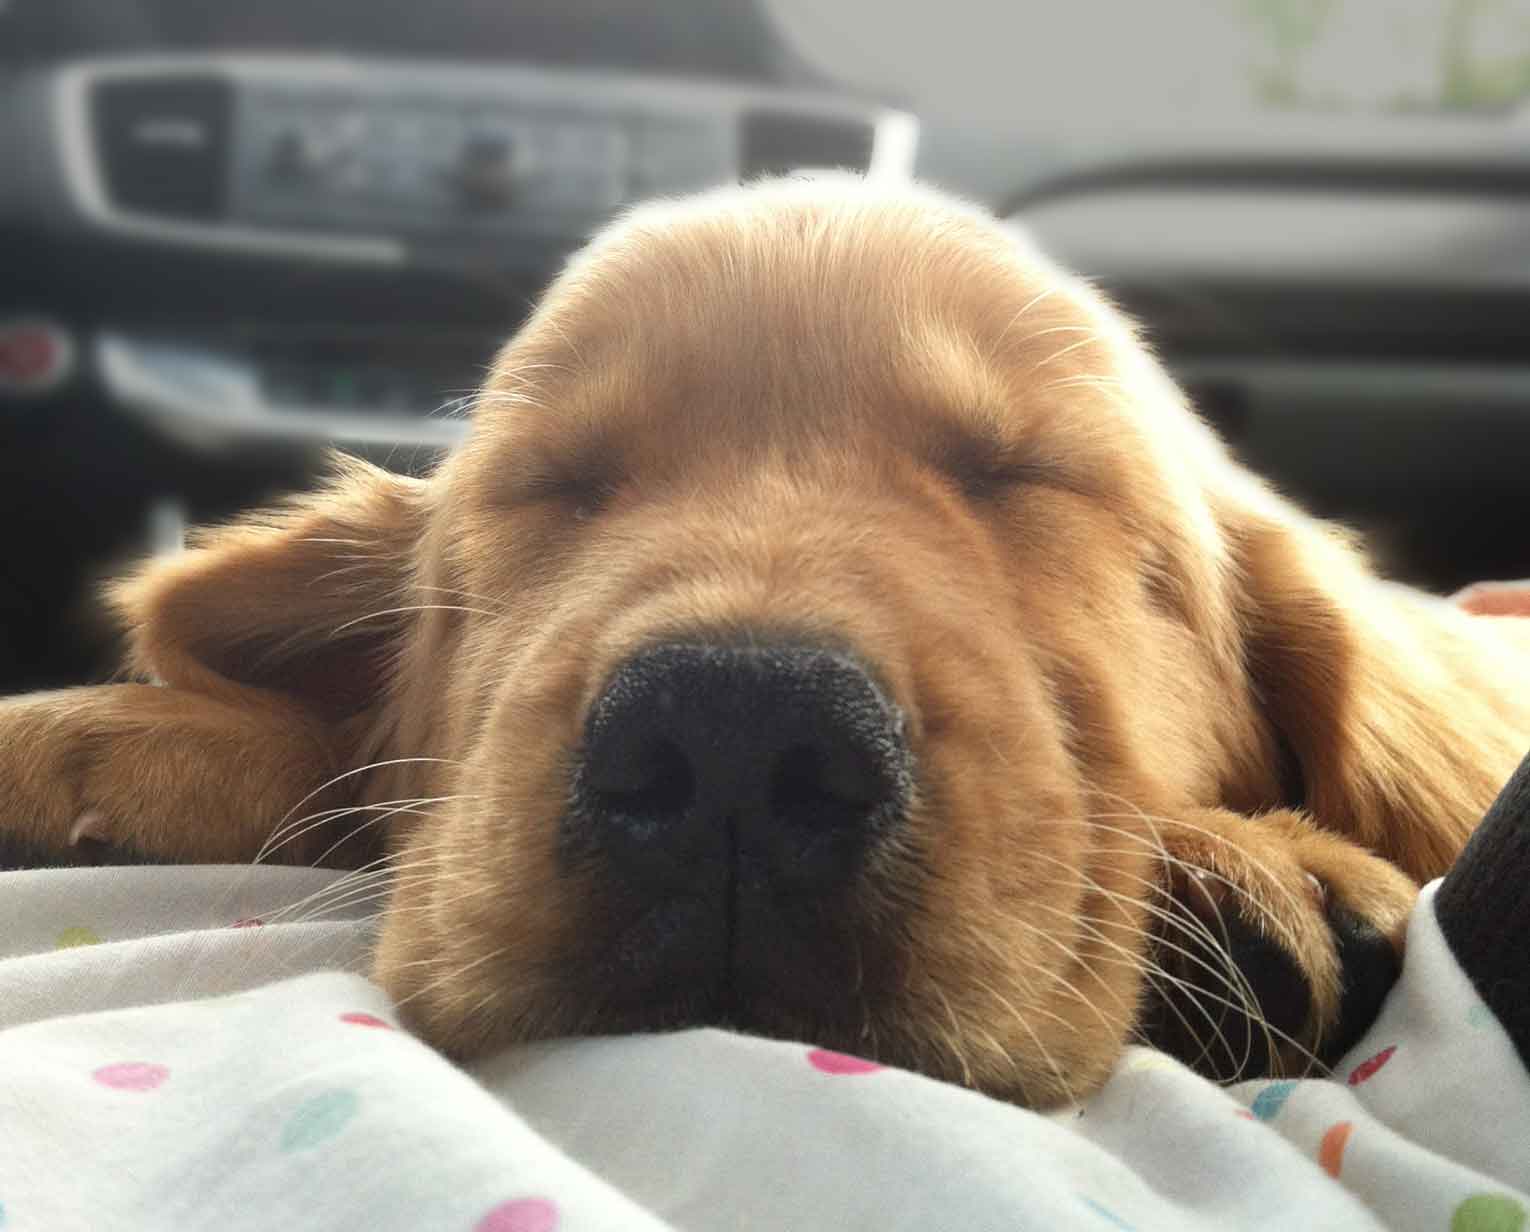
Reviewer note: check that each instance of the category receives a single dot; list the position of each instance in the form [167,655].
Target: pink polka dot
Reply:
[1368,1067]
[131,1075]
[520,1215]
[360,1019]
[840,1063]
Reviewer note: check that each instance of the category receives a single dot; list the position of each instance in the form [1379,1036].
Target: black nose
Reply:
[740,767]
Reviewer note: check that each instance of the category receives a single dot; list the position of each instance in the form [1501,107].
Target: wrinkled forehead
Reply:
[800,309]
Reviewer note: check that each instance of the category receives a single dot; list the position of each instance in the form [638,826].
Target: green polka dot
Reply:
[71,938]
[1480,1016]
[319,1119]
[1488,1213]
[1111,1216]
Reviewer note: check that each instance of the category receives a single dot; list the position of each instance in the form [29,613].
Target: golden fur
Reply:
[866,418]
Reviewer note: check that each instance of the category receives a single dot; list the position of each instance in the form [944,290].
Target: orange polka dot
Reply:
[1331,1150]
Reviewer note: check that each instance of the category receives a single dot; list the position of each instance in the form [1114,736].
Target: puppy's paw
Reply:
[51,777]
[42,768]
[1275,948]
[129,773]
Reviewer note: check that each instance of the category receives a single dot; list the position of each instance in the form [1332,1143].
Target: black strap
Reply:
[1483,908]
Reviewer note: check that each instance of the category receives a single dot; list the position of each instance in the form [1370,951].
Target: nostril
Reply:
[654,781]
[810,784]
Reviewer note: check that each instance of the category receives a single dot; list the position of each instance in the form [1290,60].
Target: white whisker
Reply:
[1082,342]
[411,607]
[339,778]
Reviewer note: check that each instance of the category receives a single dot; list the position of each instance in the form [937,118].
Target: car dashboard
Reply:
[356,171]
[232,238]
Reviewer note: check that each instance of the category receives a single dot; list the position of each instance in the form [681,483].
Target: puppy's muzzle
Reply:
[730,771]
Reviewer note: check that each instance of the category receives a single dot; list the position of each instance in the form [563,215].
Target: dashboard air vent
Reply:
[162,144]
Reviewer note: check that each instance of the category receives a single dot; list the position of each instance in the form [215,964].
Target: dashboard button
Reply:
[35,356]
[485,171]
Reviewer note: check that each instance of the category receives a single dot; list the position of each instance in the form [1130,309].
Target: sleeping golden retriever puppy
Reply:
[836,626]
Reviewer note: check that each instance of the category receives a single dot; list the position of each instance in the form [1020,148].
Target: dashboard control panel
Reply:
[314,157]
[501,169]
[375,158]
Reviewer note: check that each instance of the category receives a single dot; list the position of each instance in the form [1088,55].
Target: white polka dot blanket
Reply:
[173,1055]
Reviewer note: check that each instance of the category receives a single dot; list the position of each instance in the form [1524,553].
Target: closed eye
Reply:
[580,479]
[582,495]
[984,466]
[993,479]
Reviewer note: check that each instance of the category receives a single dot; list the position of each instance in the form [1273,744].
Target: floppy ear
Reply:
[1386,699]
[301,600]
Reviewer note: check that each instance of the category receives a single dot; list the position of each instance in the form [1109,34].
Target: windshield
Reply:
[1177,57]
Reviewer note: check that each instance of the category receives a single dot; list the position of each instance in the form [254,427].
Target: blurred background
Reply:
[234,235]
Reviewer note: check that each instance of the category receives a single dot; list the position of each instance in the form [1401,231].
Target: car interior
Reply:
[233,237]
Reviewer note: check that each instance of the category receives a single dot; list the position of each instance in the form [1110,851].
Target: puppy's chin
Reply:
[949,1010]
[621,966]
[894,1035]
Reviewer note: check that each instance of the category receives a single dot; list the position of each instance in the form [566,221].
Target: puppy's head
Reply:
[827,590]
[841,587]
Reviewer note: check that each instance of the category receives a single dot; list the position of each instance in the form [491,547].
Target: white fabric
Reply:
[162,1070]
